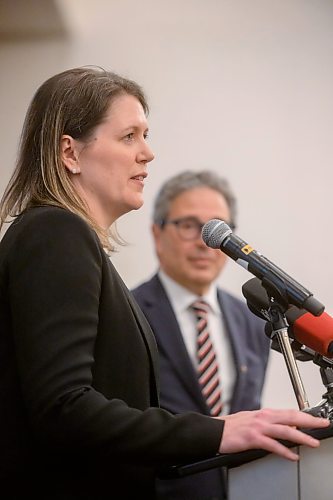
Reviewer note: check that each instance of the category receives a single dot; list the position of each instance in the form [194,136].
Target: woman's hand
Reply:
[261,429]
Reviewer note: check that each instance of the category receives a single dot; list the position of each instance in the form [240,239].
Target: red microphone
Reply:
[315,332]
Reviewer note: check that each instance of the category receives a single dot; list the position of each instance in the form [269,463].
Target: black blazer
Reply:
[180,391]
[79,414]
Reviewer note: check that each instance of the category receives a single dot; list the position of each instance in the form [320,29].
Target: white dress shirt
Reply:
[181,300]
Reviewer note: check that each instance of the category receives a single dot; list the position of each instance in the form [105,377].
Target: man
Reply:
[237,346]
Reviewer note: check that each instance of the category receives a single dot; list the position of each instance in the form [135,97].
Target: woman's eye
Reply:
[129,137]
[146,135]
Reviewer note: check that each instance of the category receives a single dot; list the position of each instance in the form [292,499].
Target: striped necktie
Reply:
[207,364]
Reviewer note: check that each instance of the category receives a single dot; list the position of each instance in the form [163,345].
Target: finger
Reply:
[309,421]
[293,417]
[293,435]
[278,448]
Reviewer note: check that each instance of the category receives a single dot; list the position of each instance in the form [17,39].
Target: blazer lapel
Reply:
[235,332]
[145,331]
[170,340]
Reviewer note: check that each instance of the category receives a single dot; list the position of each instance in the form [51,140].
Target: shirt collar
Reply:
[181,298]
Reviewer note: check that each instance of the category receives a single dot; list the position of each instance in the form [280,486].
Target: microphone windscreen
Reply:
[214,232]
[315,332]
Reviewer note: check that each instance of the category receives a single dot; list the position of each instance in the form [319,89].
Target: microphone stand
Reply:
[325,407]
[279,332]
[303,353]
[268,301]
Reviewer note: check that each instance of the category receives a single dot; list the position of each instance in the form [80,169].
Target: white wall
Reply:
[244,88]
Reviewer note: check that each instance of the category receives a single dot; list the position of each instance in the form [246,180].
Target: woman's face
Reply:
[113,163]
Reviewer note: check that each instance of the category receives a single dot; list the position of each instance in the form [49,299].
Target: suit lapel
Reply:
[150,342]
[170,340]
[145,331]
[235,332]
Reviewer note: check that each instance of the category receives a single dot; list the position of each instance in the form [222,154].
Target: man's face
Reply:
[189,261]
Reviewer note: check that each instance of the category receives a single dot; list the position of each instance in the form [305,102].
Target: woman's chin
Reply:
[137,203]
[134,204]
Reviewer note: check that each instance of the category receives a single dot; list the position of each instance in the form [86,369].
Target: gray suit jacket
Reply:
[179,388]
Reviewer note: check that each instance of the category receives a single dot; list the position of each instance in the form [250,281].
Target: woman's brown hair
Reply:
[73,102]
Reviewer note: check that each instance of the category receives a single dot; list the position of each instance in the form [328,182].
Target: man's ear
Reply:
[156,231]
[69,155]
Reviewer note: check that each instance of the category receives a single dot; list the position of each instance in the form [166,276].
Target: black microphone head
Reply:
[214,233]
[255,293]
[256,298]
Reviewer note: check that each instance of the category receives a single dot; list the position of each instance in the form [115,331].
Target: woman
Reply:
[79,395]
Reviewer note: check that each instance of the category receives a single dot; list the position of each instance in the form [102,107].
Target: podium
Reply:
[259,475]
[275,478]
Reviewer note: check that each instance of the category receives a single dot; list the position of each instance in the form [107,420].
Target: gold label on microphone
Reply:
[247,249]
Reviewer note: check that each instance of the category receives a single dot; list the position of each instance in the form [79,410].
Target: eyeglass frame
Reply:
[193,219]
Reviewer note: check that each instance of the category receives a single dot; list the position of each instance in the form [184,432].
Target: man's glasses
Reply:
[189,228]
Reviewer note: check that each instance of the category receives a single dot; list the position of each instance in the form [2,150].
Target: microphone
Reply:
[315,332]
[217,234]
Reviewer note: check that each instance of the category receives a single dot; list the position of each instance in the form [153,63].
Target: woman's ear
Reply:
[69,156]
